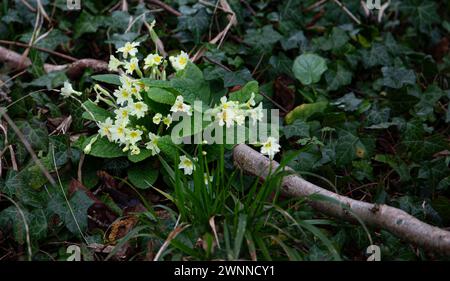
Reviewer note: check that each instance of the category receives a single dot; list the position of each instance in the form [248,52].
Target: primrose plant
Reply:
[137,111]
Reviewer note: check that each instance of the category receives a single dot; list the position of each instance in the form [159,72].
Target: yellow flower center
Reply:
[182,60]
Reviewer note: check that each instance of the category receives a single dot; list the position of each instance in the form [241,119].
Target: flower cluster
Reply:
[130,124]
[128,101]
[229,113]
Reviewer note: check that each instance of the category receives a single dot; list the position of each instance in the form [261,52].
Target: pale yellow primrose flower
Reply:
[257,114]
[251,102]
[114,63]
[167,120]
[127,82]
[270,147]
[122,115]
[138,109]
[133,136]
[157,118]
[152,60]
[180,106]
[118,132]
[129,49]
[68,90]
[226,116]
[153,143]
[135,150]
[179,62]
[105,128]
[186,164]
[228,113]
[207,179]
[132,66]
[123,95]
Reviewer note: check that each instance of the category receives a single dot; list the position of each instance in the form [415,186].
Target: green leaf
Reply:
[396,78]
[145,153]
[87,23]
[50,81]
[196,21]
[245,93]
[113,79]
[421,14]
[35,132]
[104,148]
[191,84]
[338,76]
[306,110]
[167,147]
[161,96]
[100,114]
[349,102]
[297,129]
[333,41]
[395,163]
[308,68]
[262,39]
[79,204]
[348,148]
[143,175]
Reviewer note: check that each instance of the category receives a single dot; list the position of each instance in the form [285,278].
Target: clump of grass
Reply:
[221,214]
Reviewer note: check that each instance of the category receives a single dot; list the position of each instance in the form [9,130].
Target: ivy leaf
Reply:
[231,79]
[297,129]
[338,76]
[349,102]
[395,163]
[397,77]
[376,55]
[333,41]
[194,20]
[87,23]
[308,68]
[79,203]
[262,39]
[349,147]
[422,14]
[421,146]
[50,80]
[35,132]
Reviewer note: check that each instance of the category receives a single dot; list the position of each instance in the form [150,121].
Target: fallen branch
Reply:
[391,219]
[74,70]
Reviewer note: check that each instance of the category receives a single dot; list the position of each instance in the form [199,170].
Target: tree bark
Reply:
[391,219]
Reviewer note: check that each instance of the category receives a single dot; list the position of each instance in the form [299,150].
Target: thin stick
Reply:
[347,11]
[27,146]
[29,7]
[166,7]
[27,229]
[19,44]
[177,230]
[315,5]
